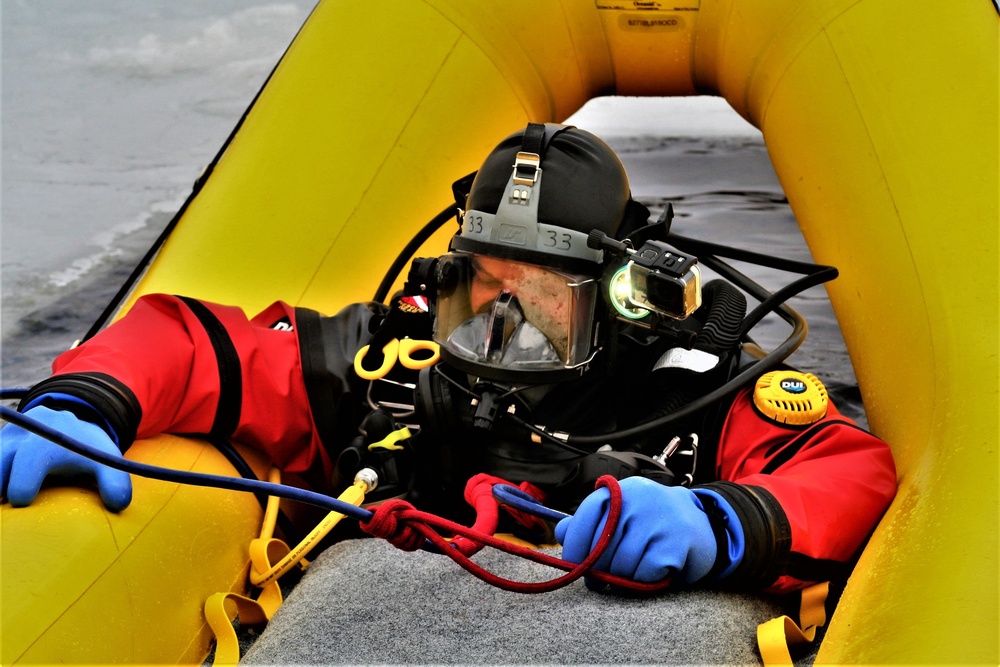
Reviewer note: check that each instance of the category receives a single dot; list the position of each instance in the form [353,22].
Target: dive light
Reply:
[657,279]
[664,281]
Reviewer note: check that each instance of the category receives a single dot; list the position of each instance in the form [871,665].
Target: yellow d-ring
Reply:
[409,346]
[389,355]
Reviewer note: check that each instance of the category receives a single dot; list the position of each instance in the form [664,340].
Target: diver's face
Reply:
[533,286]
[542,294]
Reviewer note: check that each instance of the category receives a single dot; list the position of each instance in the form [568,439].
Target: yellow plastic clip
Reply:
[389,441]
[389,354]
[409,352]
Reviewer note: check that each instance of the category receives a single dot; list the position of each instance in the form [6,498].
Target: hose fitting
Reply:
[367,477]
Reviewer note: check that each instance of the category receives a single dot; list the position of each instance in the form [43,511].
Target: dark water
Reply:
[41,334]
[110,110]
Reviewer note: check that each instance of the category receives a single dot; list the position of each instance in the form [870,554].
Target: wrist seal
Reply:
[110,398]
[766,531]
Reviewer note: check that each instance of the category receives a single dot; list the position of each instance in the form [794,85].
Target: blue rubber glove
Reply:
[27,459]
[663,530]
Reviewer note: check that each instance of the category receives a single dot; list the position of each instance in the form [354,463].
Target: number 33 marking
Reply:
[557,240]
[474,224]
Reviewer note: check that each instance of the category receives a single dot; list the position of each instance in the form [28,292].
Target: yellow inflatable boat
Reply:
[881,120]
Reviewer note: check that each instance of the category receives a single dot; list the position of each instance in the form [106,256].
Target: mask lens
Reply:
[513,315]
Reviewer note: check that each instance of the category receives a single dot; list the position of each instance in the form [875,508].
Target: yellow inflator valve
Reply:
[790,397]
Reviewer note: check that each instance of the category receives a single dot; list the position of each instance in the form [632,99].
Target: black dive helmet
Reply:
[519,296]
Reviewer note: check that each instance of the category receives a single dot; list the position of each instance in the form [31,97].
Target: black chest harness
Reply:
[458,427]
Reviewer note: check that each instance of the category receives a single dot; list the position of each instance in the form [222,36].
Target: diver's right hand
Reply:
[27,459]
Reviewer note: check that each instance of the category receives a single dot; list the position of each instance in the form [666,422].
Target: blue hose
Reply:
[514,497]
[505,494]
[178,476]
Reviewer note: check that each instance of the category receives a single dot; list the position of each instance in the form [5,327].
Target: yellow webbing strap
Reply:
[222,607]
[227,645]
[775,636]
[264,550]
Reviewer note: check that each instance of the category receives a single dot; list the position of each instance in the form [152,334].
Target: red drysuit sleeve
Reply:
[831,480]
[197,367]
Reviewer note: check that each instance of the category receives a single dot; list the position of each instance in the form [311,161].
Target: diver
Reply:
[564,336]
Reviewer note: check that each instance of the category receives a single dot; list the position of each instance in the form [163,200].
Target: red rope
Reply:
[479,494]
[407,527]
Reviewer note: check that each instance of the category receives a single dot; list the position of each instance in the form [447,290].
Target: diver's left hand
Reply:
[663,530]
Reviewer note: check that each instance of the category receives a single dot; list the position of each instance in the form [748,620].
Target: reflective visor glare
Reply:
[558,305]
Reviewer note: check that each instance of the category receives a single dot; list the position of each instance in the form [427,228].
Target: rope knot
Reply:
[388,523]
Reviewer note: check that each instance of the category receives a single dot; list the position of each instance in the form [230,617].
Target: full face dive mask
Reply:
[518,296]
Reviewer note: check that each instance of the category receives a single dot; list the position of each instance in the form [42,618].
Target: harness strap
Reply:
[227,413]
[533,140]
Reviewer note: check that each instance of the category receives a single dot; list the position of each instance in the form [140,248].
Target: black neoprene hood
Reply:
[585,186]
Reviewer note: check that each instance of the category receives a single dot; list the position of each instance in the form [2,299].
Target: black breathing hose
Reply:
[410,250]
